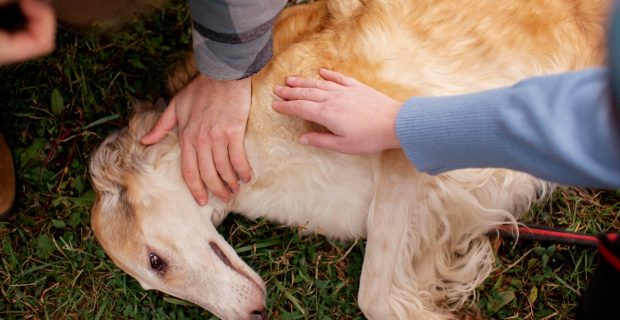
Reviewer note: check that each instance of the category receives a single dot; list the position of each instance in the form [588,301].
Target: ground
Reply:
[56,110]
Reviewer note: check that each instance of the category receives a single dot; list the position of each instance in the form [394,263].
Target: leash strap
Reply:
[609,249]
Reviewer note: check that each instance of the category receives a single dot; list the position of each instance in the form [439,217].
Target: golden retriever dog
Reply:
[426,249]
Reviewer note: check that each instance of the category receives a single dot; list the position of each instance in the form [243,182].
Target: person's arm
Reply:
[232,41]
[561,128]
[232,38]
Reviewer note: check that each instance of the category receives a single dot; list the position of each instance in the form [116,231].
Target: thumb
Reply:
[322,140]
[166,122]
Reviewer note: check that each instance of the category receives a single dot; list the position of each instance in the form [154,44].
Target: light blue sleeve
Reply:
[561,128]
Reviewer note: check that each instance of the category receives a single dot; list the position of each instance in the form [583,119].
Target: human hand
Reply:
[38,37]
[361,120]
[212,116]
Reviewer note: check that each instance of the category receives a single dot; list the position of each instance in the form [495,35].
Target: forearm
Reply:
[232,38]
[560,128]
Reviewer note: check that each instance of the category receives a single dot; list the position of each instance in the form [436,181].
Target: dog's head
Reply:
[151,227]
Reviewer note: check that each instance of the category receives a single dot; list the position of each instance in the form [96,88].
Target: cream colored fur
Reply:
[426,248]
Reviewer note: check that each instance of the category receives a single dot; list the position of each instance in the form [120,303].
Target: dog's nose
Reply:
[258,315]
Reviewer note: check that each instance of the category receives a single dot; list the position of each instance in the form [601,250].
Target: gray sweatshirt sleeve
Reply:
[232,38]
[561,128]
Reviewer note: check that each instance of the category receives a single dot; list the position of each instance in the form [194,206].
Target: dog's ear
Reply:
[121,161]
[121,156]
[118,153]
[144,117]
[107,164]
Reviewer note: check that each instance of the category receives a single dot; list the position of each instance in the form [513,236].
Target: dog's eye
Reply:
[157,263]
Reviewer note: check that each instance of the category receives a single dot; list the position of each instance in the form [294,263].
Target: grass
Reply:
[544,280]
[56,109]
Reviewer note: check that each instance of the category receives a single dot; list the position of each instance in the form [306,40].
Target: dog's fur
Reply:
[426,248]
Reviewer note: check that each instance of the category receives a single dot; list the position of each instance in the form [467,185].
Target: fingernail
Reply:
[202,201]
[247,179]
[235,188]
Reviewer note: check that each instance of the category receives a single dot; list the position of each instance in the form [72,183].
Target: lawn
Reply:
[57,109]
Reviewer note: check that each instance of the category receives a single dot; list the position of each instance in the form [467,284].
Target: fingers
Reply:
[210,157]
[323,140]
[166,122]
[238,158]
[189,169]
[294,93]
[41,22]
[332,81]
[223,164]
[338,78]
[307,110]
[226,173]
[311,83]
[37,40]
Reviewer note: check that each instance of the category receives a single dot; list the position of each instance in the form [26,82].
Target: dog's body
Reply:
[426,251]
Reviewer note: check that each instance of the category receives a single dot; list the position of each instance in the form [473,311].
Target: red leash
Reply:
[543,233]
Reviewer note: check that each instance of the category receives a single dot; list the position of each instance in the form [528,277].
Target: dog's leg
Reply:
[393,243]
[387,227]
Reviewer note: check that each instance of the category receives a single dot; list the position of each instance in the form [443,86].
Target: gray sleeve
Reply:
[232,38]
[562,128]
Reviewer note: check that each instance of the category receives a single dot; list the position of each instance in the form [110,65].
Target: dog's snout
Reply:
[254,280]
[258,315]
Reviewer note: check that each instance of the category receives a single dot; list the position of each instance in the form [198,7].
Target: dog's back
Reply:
[426,250]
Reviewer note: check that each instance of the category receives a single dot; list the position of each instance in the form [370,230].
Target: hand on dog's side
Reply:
[361,120]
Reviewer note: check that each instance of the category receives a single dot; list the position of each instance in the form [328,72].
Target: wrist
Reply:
[230,84]
[391,137]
